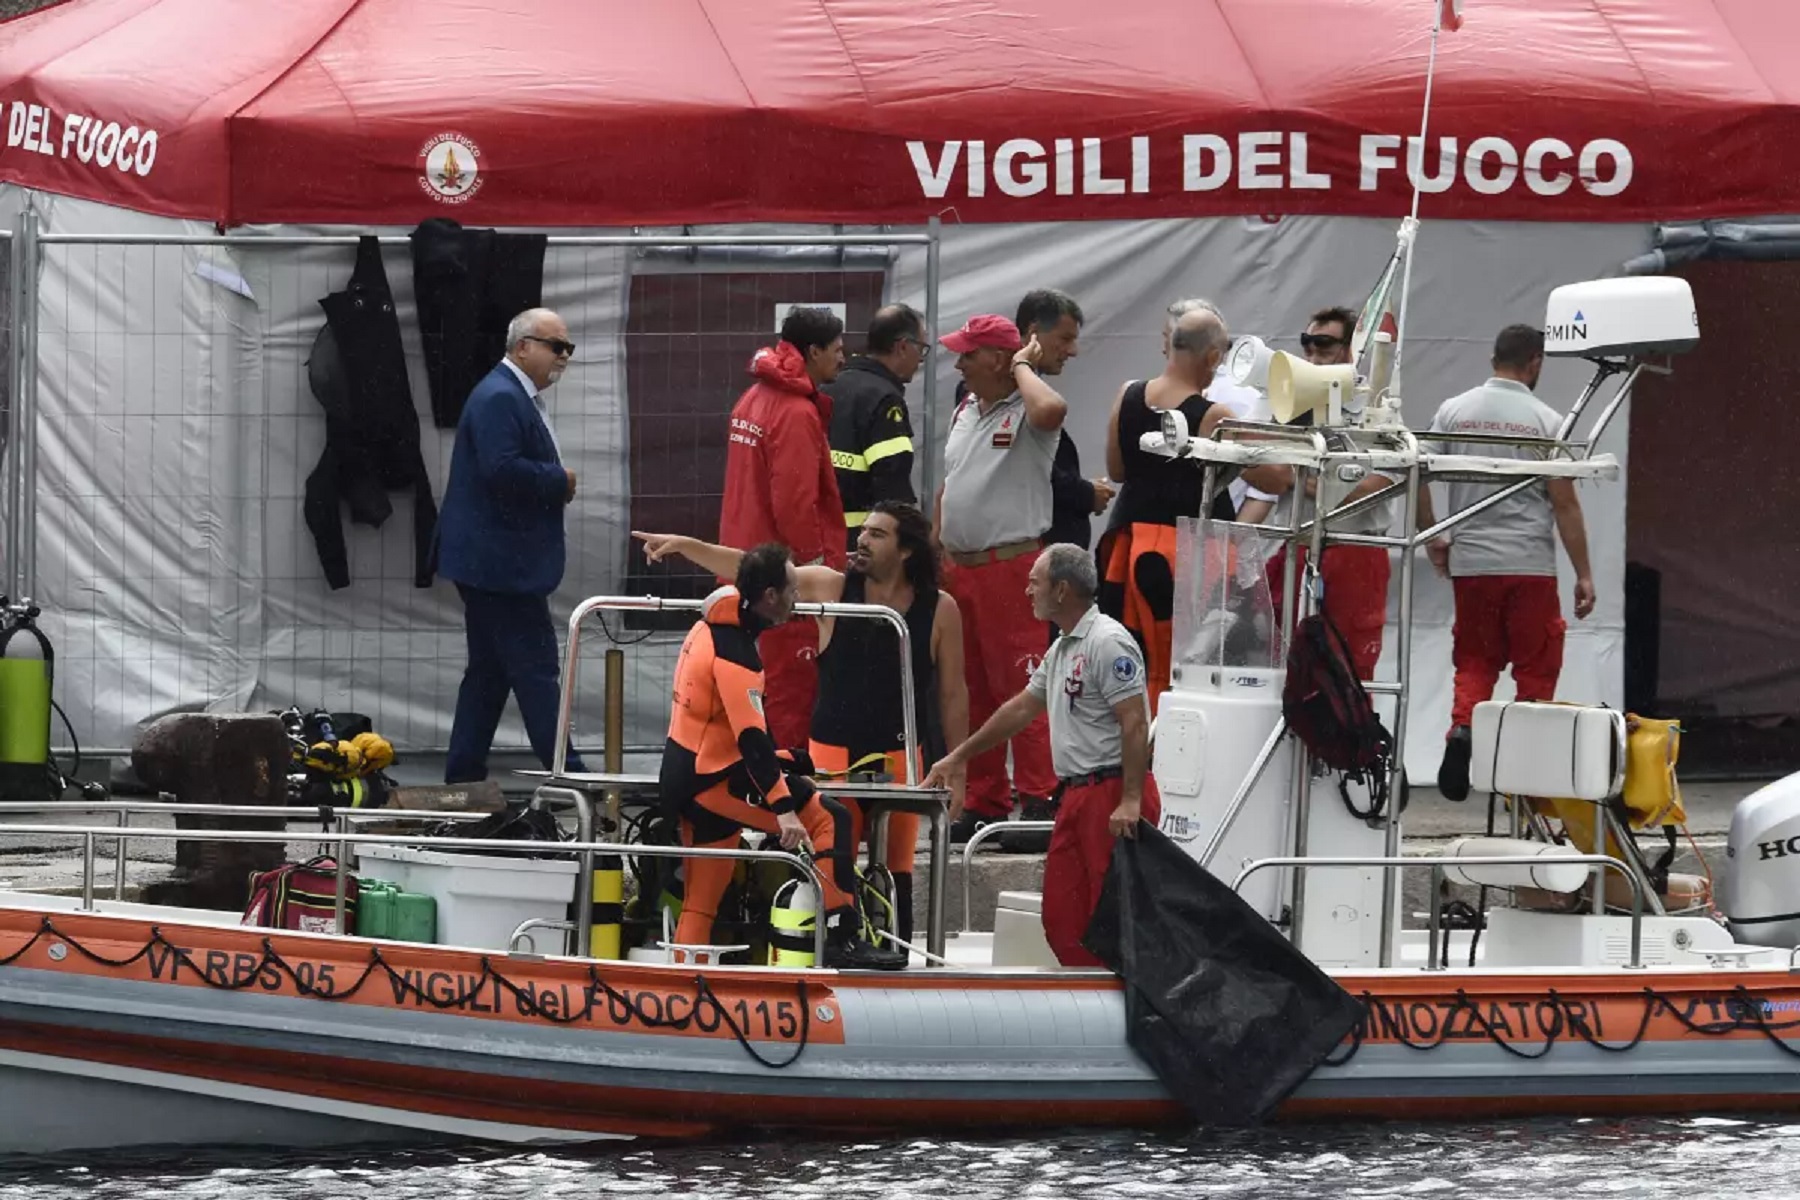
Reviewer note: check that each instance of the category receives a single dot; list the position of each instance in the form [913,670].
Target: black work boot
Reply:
[1031,808]
[968,825]
[1453,772]
[845,949]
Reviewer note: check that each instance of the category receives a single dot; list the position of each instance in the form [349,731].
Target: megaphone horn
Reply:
[1297,386]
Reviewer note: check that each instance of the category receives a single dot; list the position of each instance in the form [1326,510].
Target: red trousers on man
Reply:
[1502,619]
[790,655]
[1002,645]
[1081,849]
[1356,587]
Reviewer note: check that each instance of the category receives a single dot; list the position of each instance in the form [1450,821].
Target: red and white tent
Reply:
[596,112]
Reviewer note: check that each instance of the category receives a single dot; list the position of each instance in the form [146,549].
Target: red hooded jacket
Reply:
[779,482]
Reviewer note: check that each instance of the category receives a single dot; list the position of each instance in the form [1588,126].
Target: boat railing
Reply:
[91,836]
[991,829]
[562,786]
[565,713]
[343,818]
[1393,865]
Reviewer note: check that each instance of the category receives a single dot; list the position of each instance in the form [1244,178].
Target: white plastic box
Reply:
[481,898]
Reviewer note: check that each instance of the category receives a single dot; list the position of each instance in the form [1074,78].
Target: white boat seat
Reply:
[1525,748]
[1019,931]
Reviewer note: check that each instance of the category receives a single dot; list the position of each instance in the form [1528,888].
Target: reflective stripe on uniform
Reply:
[884,449]
[843,460]
[854,520]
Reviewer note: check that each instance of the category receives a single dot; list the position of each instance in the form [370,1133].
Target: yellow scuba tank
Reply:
[793,917]
[27,665]
[609,906]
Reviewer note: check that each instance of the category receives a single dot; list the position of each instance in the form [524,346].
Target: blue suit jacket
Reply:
[501,525]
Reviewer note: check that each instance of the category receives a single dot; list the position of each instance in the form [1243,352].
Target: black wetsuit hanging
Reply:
[357,371]
[468,284]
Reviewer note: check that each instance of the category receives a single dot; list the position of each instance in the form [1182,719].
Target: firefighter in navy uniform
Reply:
[871,430]
[857,725]
[721,773]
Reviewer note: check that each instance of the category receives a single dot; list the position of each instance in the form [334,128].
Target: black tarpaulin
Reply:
[1220,1005]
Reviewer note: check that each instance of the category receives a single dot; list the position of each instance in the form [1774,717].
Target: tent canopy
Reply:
[600,112]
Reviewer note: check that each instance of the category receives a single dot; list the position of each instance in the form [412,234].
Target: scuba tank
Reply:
[608,884]
[792,915]
[27,664]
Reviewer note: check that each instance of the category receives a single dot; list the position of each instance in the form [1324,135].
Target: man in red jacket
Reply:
[780,487]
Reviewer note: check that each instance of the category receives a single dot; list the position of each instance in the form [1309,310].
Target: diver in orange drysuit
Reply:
[721,773]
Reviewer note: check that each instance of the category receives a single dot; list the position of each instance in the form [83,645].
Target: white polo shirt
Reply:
[1517,536]
[996,476]
[1088,670]
[1246,404]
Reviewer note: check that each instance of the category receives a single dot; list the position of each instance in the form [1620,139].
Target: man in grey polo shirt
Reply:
[992,510]
[1502,561]
[1091,686]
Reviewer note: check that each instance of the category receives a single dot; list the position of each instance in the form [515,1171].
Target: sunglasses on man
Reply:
[1319,341]
[558,346]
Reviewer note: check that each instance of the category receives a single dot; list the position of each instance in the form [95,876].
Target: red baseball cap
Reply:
[984,330]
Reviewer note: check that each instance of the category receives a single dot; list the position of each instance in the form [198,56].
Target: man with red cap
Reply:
[780,487]
[992,511]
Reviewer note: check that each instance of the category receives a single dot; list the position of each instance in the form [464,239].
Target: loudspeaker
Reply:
[1297,386]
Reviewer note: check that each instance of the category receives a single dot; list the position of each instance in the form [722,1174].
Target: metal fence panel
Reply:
[177,432]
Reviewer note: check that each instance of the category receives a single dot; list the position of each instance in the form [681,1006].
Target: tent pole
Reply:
[25,255]
[928,458]
[13,492]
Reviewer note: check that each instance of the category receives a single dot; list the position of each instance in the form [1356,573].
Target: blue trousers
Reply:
[512,648]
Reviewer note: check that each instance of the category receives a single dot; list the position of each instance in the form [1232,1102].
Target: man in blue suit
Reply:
[500,540]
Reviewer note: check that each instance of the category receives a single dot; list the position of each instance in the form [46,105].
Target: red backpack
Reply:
[301,896]
[1327,708]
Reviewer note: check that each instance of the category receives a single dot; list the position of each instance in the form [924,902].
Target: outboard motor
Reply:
[26,663]
[1762,890]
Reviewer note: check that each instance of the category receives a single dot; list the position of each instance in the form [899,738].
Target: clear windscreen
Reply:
[1225,614]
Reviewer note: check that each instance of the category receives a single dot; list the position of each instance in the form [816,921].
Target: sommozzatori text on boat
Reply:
[124,1023]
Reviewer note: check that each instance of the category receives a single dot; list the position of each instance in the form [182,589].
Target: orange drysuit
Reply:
[721,772]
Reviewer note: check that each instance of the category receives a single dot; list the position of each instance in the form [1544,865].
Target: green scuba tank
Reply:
[26,667]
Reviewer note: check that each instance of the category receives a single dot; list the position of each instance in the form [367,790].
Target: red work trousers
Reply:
[1081,849]
[1002,644]
[790,655]
[1503,619]
[1356,587]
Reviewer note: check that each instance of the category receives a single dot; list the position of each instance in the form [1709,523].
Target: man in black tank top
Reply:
[856,721]
[1136,555]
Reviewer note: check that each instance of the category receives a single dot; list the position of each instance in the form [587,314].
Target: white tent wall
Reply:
[1469,280]
[177,572]
[177,431]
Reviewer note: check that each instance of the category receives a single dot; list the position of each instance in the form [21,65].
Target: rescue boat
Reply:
[130,1024]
